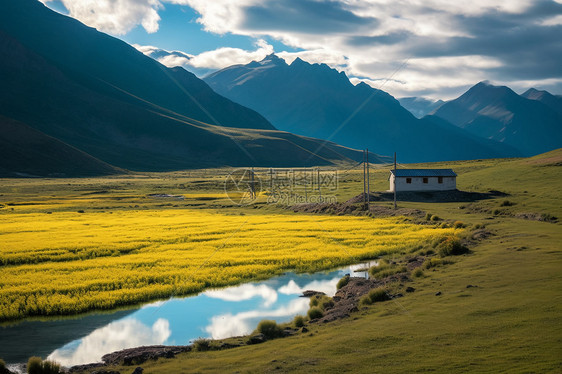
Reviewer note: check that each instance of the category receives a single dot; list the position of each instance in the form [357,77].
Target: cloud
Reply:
[207,61]
[116,336]
[245,292]
[223,57]
[508,41]
[328,287]
[116,17]
[227,325]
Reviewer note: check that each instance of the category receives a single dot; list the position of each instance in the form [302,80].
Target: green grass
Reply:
[509,321]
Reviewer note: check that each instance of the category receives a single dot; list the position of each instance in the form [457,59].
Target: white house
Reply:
[423,180]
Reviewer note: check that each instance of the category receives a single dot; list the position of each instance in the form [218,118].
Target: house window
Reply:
[439,179]
[408,180]
[425,180]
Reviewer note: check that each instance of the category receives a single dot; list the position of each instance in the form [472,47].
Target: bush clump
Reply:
[269,329]
[299,321]
[432,263]
[386,270]
[435,218]
[418,273]
[507,203]
[315,313]
[374,296]
[202,345]
[452,247]
[428,216]
[459,225]
[342,282]
[37,366]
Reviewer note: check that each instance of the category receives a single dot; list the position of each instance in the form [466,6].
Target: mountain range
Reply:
[318,101]
[530,122]
[75,101]
[102,97]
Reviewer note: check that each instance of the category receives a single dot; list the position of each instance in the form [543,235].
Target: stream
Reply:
[217,314]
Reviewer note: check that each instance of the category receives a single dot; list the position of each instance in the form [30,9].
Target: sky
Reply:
[431,48]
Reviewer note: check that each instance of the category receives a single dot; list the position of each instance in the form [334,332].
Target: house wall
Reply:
[449,183]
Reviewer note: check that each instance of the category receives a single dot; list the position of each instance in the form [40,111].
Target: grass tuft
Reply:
[374,296]
[315,313]
[452,247]
[299,321]
[37,366]
[202,345]
[342,282]
[269,329]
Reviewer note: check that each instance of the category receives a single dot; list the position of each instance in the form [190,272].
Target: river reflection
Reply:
[215,314]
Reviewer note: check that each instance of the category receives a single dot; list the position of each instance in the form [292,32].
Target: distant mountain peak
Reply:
[298,61]
[272,59]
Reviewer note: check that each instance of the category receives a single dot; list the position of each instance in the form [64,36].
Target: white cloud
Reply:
[245,292]
[375,36]
[552,21]
[116,336]
[115,17]
[215,59]
[223,57]
[328,287]
[228,325]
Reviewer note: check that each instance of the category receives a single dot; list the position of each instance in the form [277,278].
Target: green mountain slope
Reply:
[102,96]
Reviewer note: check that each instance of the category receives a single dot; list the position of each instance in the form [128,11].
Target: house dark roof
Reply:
[424,173]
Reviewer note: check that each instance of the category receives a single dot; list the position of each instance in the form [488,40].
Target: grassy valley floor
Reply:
[508,320]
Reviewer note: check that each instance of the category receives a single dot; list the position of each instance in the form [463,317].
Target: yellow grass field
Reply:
[66,262]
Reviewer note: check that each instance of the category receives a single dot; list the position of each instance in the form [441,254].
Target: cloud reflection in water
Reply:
[117,335]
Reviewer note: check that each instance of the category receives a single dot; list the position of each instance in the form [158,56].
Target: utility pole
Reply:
[368,183]
[395,206]
[364,180]
[319,184]
[252,186]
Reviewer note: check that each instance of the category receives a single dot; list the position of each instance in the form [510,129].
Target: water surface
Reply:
[216,314]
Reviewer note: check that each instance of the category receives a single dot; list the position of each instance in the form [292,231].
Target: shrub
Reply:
[299,321]
[375,295]
[34,365]
[507,203]
[269,329]
[325,302]
[378,294]
[37,366]
[379,273]
[315,313]
[495,212]
[427,216]
[202,344]
[418,273]
[452,247]
[435,218]
[458,225]
[432,262]
[314,301]
[343,282]
[365,300]
[378,268]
